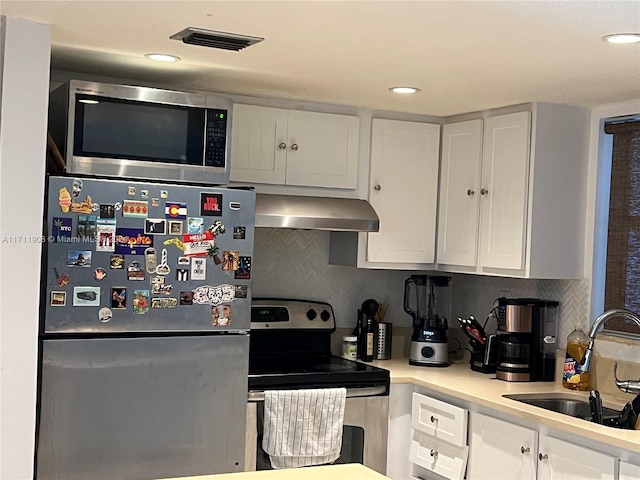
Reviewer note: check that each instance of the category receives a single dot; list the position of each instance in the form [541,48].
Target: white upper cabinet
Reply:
[516,209]
[290,147]
[459,193]
[403,190]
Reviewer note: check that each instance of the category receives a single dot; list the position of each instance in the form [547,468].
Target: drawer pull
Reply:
[524,449]
[542,457]
[434,453]
[434,419]
[282,146]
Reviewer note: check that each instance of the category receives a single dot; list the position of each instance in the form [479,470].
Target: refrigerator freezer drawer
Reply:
[142,408]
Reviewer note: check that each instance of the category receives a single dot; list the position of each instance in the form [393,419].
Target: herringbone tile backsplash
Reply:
[295,264]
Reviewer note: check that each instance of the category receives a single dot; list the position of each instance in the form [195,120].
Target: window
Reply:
[622,285]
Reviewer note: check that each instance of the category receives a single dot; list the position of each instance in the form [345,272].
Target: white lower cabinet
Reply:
[628,471]
[501,450]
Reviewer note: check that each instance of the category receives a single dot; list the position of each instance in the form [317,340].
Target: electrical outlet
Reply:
[505,293]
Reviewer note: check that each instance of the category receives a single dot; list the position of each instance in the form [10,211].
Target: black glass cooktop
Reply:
[313,372]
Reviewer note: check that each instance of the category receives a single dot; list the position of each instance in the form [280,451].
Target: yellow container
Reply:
[573,377]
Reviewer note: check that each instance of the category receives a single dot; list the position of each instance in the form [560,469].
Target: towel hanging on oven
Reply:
[303,427]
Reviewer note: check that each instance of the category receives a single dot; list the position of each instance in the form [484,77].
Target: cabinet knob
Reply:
[434,419]
[434,453]
[471,193]
[524,449]
[282,146]
[484,191]
[542,457]
[377,188]
[294,146]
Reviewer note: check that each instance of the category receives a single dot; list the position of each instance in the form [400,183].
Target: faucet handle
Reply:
[628,386]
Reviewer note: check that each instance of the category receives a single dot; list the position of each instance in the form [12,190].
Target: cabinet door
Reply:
[628,471]
[459,193]
[322,150]
[404,191]
[559,460]
[504,191]
[256,153]
[500,450]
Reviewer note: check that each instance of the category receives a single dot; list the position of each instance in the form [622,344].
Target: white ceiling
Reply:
[463,55]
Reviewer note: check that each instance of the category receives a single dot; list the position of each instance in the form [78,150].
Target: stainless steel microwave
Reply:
[141,132]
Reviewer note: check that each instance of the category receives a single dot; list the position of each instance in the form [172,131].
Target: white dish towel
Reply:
[303,427]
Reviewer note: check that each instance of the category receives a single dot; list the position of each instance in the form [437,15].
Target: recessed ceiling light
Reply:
[622,38]
[404,89]
[162,57]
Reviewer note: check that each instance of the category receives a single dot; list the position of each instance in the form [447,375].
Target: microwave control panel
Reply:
[216,141]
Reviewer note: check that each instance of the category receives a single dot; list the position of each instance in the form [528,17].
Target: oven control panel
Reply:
[281,314]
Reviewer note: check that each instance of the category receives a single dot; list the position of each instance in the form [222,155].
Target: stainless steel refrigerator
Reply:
[144,339]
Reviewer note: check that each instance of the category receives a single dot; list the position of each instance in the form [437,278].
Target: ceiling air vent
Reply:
[213,39]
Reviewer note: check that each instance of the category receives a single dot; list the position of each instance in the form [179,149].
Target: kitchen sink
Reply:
[566,403]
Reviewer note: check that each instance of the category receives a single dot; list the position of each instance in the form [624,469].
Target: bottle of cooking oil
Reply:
[573,377]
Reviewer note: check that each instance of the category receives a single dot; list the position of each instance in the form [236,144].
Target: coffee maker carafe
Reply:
[526,340]
[429,341]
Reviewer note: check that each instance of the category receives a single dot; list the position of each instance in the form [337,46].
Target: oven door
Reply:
[364,437]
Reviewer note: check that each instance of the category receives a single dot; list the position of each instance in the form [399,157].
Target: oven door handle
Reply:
[351,393]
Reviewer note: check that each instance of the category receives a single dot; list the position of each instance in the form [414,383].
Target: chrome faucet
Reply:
[629,386]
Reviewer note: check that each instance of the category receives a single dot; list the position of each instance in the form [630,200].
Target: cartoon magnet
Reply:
[244,269]
[116,261]
[175,227]
[62,279]
[230,260]
[119,297]
[99,274]
[105,314]
[211,204]
[140,302]
[64,200]
[209,295]
[58,299]
[76,188]
[198,268]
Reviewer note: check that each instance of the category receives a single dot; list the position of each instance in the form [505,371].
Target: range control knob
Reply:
[311,314]
[325,316]
[427,352]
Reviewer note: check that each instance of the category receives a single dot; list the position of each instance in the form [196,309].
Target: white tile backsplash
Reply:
[295,264]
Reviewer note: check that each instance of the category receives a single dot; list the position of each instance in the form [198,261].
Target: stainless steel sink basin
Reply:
[566,403]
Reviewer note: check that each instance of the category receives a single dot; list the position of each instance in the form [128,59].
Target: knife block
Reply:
[483,357]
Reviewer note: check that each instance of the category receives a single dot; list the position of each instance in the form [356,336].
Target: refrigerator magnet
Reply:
[99,274]
[155,202]
[116,261]
[86,296]
[85,206]
[135,271]
[61,278]
[76,188]
[86,227]
[198,268]
[175,227]
[170,302]
[175,210]
[211,204]
[230,260]
[217,228]
[183,261]
[105,235]
[58,299]
[64,200]
[221,316]
[131,191]
[144,193]
[186,298]
[195,225]
[135,209]
[119,297]
[182,274]
[155,226]
[79,258]
[61,229]
[107,211]
[132,241]
[207,294]
[164,194]
[239,233]
[140,301]
[163,266]
[105,314]
[243,271]
[241,291]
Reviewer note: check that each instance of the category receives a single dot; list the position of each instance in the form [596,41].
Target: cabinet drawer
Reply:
[437,456]
[442,420]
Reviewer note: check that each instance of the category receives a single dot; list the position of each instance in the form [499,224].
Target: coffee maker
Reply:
[526,339]
[429,341]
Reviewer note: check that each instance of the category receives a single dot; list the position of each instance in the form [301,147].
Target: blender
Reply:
[429,341]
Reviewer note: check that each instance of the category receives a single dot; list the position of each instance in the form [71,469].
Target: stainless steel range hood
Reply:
[315,213]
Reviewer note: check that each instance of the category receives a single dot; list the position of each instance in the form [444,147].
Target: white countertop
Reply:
[459,381]
[353,471]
